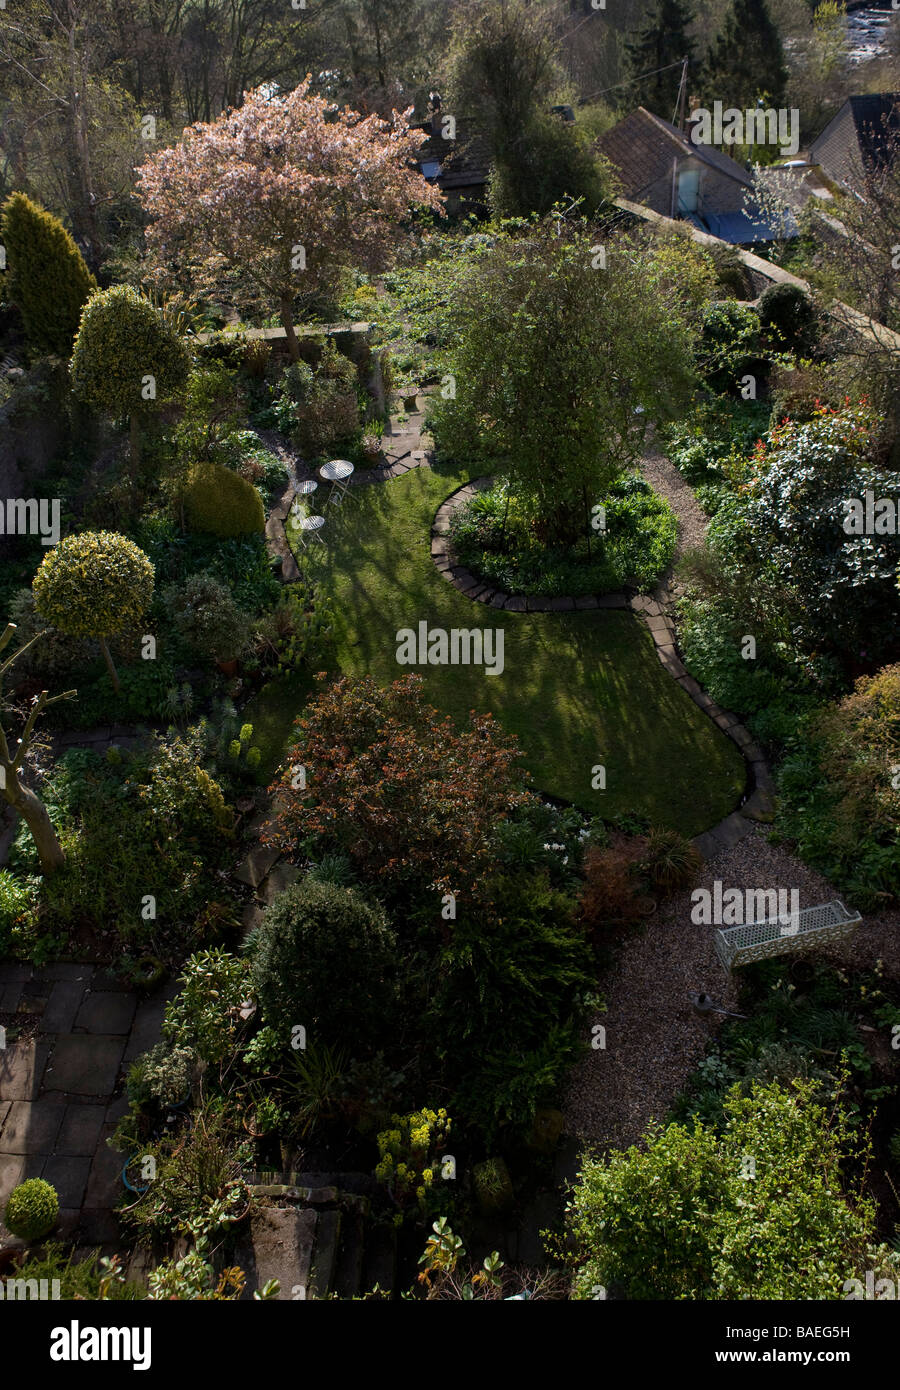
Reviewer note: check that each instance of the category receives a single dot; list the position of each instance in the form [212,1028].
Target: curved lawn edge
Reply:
[758,804]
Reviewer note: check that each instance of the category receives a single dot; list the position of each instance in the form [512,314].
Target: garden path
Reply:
[654,1038]
[62,1087]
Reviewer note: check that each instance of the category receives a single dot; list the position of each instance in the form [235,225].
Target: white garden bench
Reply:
[816,926]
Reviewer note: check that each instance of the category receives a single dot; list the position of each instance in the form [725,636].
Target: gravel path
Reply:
[654,1038]
[665,479]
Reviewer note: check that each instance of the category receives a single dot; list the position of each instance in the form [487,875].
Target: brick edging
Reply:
[758,804]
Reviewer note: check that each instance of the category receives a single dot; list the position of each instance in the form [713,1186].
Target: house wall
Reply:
[718,192]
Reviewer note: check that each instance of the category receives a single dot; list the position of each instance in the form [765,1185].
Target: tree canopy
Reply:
[279,195]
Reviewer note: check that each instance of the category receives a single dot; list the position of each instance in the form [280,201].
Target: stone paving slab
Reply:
[62,1006]
[106,1013]
[10,996]
[22,1068]
[104,1184]
[14,973]
[79,1131]
[69,1176]
[148,1020]
[31,1127]
[85,1064]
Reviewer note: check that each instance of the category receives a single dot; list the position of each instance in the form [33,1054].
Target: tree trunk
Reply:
[77,114]
[287,318]
[110,665]
[34,814]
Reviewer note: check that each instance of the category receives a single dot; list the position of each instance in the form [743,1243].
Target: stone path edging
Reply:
[759,804]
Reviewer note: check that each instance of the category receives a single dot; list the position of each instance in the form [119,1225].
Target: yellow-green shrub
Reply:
[222,502]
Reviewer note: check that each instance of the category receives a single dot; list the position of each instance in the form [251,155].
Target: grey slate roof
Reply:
[855,143]
[642,147]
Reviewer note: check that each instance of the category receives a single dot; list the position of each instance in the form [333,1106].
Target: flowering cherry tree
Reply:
[285,191]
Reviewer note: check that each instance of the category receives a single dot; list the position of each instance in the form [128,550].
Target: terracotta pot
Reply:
[228,668]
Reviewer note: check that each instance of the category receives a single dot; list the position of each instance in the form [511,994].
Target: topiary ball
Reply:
[94,584]
[223,503]
[32,1210]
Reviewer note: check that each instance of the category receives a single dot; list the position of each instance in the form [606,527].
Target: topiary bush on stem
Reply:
[94,585]
[128,356]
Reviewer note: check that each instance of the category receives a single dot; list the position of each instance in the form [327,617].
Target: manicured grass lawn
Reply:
[578,689]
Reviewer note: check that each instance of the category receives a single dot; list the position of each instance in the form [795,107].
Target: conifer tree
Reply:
[747,60]
[49,280]
[662,43]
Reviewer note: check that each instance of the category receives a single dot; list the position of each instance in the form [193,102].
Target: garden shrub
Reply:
[553,160]
[517,967]
[678,1219]
[433,794]
[710,445]
[496,542]
[222,503]
[611,898]
[163,1075]
[788,317]
[207,618]
[198,1180]
[81,1278]
[839,799]
[800,388]
[539,836]
[157,819]
[730,346]
[48,278]
[410,1154]
[669,860]
[18,902]
[318,408]
[204,1017]
[794,509]
[122,338]
[313,936]
[787,1033]
[94,584]
[32,1210]
[732,274]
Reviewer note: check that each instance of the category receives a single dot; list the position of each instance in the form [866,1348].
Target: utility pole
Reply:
[682,97]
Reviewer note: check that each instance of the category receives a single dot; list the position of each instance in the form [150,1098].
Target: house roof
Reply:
[461,163]
[856,142]
[642,146]
[744,228]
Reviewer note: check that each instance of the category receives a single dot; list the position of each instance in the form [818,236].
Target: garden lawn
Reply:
[578,689]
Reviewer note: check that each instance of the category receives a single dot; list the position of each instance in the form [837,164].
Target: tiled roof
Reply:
[464,161]
[855,142]
[642,146]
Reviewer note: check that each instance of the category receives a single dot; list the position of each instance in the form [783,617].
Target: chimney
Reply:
[434,99]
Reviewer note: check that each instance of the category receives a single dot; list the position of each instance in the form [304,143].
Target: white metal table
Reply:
[337,472]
